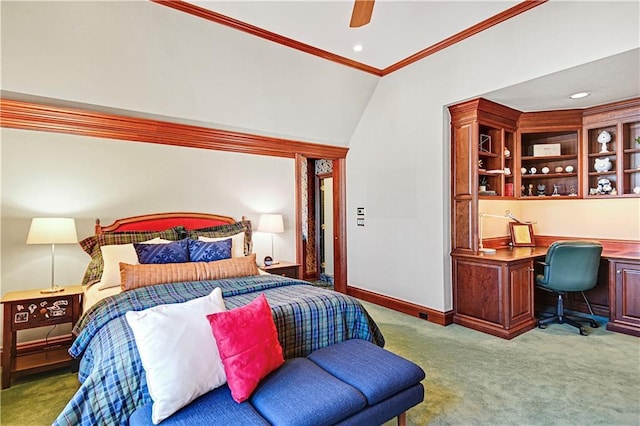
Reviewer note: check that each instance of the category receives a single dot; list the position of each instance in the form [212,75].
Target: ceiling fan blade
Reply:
[361,15]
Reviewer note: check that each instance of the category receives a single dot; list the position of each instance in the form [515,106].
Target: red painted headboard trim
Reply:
[161,221]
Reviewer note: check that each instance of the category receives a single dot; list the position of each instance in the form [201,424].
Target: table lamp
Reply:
[273,224]
[506,216]
[52,230]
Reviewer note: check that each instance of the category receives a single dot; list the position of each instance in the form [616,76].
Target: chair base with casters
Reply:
[561,318]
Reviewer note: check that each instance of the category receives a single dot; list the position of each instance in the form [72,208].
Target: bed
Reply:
[111,374]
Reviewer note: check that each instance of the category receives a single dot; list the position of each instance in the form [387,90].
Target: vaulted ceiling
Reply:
[398,28]
[403,31]
[282,73]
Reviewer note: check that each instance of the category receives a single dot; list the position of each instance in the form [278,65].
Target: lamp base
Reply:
[487,250]
[50,290]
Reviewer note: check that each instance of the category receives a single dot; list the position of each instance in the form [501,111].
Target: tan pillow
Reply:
[135,276]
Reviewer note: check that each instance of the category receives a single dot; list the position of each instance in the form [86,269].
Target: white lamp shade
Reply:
[52,230]
[272,223]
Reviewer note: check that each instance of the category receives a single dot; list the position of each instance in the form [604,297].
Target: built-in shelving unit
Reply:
[499,152]
[495,162]
[618,170]
[549,163]
[481,130]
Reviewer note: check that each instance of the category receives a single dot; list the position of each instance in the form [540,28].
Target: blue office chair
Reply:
[569,266]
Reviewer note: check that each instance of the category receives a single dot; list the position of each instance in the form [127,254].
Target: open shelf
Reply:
[549,175]
[44,360]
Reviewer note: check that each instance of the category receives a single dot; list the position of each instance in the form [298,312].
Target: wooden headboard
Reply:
[160,221]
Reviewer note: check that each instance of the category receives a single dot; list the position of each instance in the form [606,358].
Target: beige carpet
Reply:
[544,377]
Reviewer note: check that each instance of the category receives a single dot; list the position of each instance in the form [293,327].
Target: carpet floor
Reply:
[543,377]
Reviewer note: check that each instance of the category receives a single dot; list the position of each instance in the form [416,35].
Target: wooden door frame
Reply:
[339,219]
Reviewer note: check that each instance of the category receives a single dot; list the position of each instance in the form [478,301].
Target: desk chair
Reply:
[569,266]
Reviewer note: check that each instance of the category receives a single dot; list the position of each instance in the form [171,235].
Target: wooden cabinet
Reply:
[624,293]
[617,162]
[548,154]
[494,294]
[480,132]
[30,309]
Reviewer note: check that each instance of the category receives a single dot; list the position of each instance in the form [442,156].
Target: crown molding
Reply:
[209,15]
[462,35]
[262,33]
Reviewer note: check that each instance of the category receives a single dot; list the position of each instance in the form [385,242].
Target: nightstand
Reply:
[29,309]
[286,269]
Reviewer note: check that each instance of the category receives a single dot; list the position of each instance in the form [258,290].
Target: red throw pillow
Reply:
[248,343]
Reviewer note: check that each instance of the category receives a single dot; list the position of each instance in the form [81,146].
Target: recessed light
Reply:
[358,48]
[580,95]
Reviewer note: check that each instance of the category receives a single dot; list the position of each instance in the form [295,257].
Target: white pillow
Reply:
[112,255]
[237,243]
[178,352]
[156,240]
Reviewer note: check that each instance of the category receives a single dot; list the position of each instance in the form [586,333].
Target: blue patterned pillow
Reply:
[173,252]
[203,251]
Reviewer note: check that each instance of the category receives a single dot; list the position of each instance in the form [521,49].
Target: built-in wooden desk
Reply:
[494,292]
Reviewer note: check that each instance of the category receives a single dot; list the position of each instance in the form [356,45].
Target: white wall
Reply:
[48,174]
[398,163]
[145,57]
[615,218]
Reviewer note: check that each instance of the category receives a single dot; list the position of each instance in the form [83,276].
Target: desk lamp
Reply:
[507,216]
[52,230]
[273,224]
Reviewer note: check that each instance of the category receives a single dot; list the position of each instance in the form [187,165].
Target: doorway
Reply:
[309,171]
[325,227]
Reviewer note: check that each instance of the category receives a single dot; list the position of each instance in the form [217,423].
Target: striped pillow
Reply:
[135,276]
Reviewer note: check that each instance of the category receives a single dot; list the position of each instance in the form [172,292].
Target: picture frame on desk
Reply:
[522,234]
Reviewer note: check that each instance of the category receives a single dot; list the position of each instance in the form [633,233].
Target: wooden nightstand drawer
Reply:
[40,313]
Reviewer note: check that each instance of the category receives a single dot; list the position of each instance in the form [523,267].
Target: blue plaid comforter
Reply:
[112,378]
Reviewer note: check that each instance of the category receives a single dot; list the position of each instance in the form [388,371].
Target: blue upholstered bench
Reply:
[350,383]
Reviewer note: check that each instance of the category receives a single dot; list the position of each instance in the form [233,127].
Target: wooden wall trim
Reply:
[340,225]
[431,315]
[46,118]
[462,35]
[610,245]
[300,252]
[614,106]
[209,15]
[267,35]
